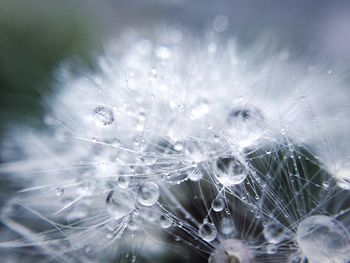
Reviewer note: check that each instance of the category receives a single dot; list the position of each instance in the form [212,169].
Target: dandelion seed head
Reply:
[184,142]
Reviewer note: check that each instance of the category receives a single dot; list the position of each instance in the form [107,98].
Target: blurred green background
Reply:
[35,37]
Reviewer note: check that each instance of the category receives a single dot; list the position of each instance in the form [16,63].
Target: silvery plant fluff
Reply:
[187,149]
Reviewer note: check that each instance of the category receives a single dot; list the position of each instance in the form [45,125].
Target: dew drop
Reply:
[178,146]
[123,181]
[148,158]
[207,231]
[148,194]
[165,221]
[120,202]
[103,115]
[194,174]
[229,171]
[323,239]
[271,249]
[218,204]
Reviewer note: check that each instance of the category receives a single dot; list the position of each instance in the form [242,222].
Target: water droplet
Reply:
[120,202]
[194,174]
[148,194]
[103,115]
[123,181]
[178,146]
[165,221]
[274,232]
[207,231]
[229,171]
[218,204]
[148,158]
[271,249]
[322,237]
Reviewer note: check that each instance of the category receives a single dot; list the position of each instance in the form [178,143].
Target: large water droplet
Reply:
[229,171]
[103,115]
[120,202]
[323,239]
[148,194]
[207,231]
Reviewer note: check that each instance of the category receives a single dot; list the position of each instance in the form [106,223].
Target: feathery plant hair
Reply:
[183,150]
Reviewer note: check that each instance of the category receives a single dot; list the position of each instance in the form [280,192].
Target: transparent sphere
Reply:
[218,204]
[271,249]
[165,221]
[274,233]
[120,202]
[229,171]
[194,174]
[207,231]
[123,181]
[148,194]
[103,115]
[323,239]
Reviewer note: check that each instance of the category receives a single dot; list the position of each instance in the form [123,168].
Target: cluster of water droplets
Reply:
[149,158]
